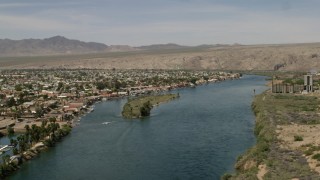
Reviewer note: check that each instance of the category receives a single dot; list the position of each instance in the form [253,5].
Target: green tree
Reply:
[10,131]
[52,119]
[29,86]
[18,87]
[39,112]
[13,142]
[21,98]
[145,109]
[117,84]
[5,166]
[2,96]
[60,86]
[15,151]
[27,127]
[22,143]
[45,97]
[193,80]
[35,133]
[100,85]
[11,102]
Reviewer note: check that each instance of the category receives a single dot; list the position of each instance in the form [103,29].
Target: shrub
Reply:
[308,152]
[311,149]
[316,156]
[298,138]
[226,176]
[48,142]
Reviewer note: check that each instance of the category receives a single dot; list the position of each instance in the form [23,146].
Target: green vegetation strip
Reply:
[272,110]
[25,145]
[141,107]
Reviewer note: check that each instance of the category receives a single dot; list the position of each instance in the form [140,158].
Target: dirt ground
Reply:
[310,135]
[4,122]
[19,126]
[262,171]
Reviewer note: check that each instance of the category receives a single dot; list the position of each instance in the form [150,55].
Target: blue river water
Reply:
[198,136]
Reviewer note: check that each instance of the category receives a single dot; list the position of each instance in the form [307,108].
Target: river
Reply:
[198,136]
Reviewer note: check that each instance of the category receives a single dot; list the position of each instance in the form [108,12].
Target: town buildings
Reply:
[31,96]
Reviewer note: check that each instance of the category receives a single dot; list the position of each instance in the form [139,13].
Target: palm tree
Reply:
[44,123]
[22,143]
[13,142]
[27,127]
[5,164]
[35,133]
[27,134]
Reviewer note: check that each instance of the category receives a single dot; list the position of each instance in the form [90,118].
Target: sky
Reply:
[145,22]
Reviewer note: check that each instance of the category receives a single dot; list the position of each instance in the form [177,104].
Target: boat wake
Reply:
[106,123]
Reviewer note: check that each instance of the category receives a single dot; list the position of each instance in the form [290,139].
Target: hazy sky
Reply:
[142,22]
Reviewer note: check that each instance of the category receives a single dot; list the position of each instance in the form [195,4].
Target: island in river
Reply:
[141,107]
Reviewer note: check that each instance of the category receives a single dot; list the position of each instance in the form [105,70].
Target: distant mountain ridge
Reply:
[59,45]
[279,57]
[49,46]
[163,46]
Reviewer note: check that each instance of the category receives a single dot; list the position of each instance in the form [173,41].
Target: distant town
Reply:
[30,96]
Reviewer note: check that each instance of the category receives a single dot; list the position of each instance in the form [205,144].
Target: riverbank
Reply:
[35,137]
[79,110]
[286,146]
[14,162]
[141,107]
[28,145]
[195,131]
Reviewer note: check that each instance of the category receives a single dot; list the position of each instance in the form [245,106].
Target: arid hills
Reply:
[57,45]
[59,52]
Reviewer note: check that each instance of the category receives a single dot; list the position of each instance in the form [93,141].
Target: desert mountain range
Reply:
[57,45]
[60,52]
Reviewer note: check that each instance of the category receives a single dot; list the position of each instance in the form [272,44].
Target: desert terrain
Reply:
[287,57]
